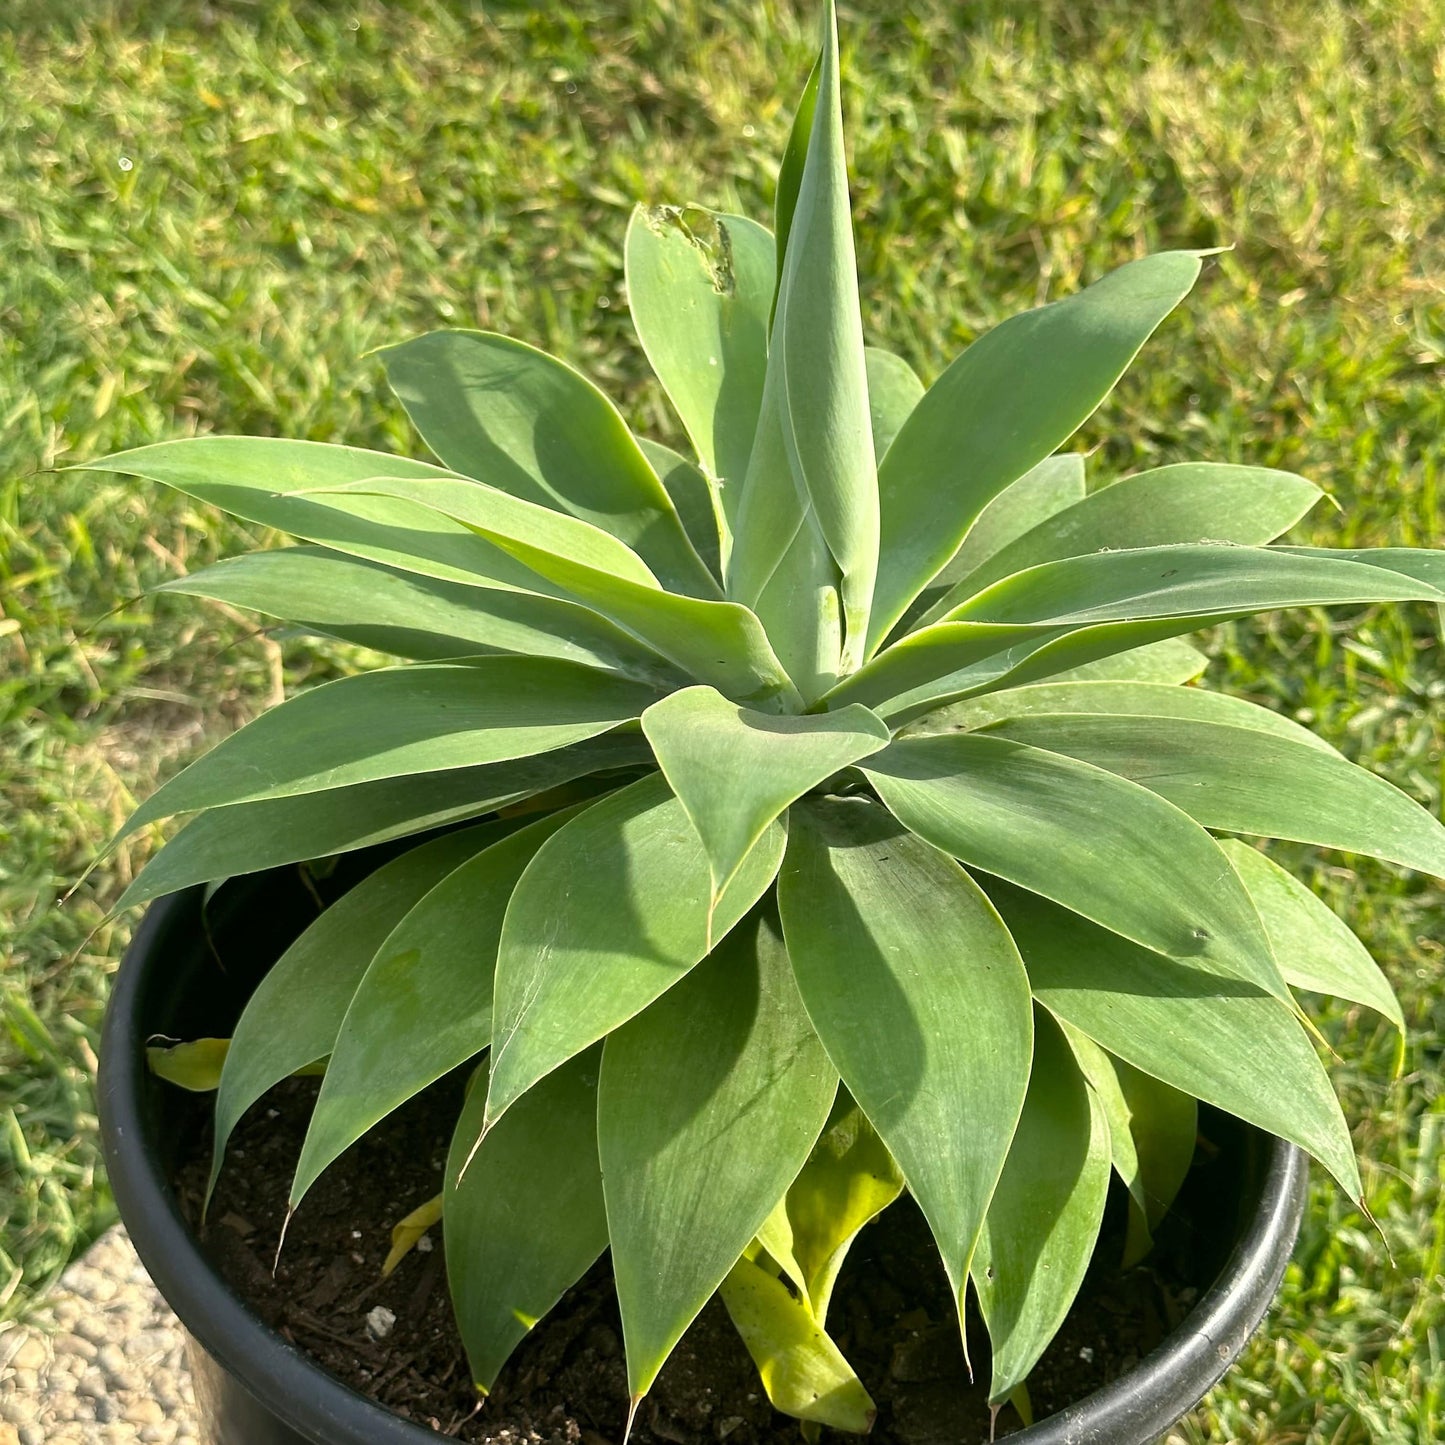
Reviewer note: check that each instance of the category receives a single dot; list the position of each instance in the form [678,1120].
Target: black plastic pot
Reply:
[255,1388]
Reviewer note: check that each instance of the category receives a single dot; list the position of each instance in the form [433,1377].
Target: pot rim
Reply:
[1139,1406]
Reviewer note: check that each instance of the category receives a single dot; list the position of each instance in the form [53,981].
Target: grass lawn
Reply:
[209,212]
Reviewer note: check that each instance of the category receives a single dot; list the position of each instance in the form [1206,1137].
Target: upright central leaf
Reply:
[817,376]
[735,770]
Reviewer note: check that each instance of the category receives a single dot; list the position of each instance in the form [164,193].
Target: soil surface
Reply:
[566,1383]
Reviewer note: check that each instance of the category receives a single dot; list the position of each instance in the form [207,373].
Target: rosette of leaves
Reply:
[810,819]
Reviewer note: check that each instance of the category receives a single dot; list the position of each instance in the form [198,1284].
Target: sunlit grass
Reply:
[208,213]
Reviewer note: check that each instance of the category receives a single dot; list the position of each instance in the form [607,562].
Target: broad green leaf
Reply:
[418,617]
[1012,399]
[893,392]
[1184,581]
[1152,1132]
[818,356]
[1044,1218]
[1242,780]
[1219,1039]
[400,721]
[1194,502]
[269,480]
[1123,699]
[918,994]
[734,771]
[526,1219]
[522,421]
[790,170]
[247,837]
[717,642]
[849,1179]
[1316,950]
[801,1368]
[1062,614]
[700,289]
[781,566]
[610,914]
[1171,662]
[697,498]
[1055,483]
[292,1018]
[709,1102]
[1423,564]
[424,1005]
[1083,837]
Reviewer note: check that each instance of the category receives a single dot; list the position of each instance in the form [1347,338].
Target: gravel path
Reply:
[103,1364]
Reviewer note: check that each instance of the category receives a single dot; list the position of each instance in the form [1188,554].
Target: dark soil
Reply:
[892,1315]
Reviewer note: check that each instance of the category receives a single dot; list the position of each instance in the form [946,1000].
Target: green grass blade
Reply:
[1044,1218]
[1220,1039]
[612,912]
[735,771]
[919,997]
[708,1104]
[1012,399]
[1241,780]
[1083,837]
[510,1259]
[700,291]
[528,424]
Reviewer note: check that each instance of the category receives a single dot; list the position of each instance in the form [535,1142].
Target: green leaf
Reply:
[522,421]
[408,1232]
[1122,699]
[717,642]
[700,289]
[708,1105]
[1171,662]
[1220,1039]
[1063,614]
[263,479]
[1055,483]
[818,357]
[850,1178]
[1194,502]
[1038,1237]
[790,171]
[1245,781]
[1012,399]
[1316,950]
[697,499]
[1152,1132]
[424,1005]
[801,1368]
[194,1065]
[918,994]
[248,837]
[1200,581]
[292,1018]
[893,392]
[734,771]
[526,1219]
[414,616]
[611,913]
[398,721]
[1077,834]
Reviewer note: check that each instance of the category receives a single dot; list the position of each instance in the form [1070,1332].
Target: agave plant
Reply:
[815,820]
